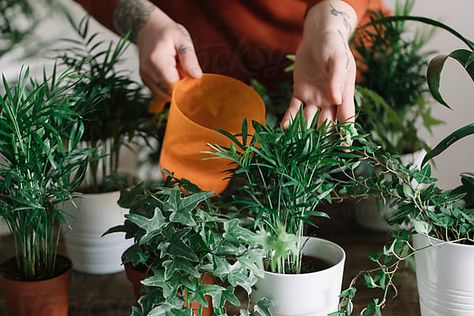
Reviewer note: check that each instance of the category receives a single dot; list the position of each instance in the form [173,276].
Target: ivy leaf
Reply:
[135,256]
[421,227]
[262,307]
[181,265]
[151,226]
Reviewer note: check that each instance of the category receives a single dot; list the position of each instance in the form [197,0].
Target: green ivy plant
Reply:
[447,215]
[288,175]
[179,237]
[115,107]
[40,166]
[392,85]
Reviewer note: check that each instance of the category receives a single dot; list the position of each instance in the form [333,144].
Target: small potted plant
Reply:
[288,175]
[116,118]
[439,224]
[41,168]
[393,96]
[190,257]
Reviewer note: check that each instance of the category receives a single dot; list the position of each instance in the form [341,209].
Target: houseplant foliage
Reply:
[392,63]
[180,237]
[115,107]
[288,176]
[40,132]
[445,215]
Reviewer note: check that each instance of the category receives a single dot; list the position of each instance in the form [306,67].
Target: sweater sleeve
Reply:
[359,6]
[102,11]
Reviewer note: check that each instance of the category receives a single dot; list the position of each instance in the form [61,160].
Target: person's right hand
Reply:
[166,54]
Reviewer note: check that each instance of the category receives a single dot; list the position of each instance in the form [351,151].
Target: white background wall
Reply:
[456,85]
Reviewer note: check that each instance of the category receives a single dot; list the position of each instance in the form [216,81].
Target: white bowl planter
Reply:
[94,214]
[444,277]
[372,215]
[307,294]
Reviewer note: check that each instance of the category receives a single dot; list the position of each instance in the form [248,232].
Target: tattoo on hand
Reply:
[344,15]
[345,46]
[131,15]
[184,49]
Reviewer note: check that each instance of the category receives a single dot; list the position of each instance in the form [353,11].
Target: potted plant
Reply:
[40,131]
[440,222]
[393,96]
[190,257]
[115,117]
[288,176]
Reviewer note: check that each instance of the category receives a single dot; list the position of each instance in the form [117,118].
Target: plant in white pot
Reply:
[116,117]
[188,257]
[440,222]
[287,175]
[393,96]
[40,169]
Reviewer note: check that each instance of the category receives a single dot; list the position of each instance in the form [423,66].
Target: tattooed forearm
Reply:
[131,15]
[345,45]
[345,17]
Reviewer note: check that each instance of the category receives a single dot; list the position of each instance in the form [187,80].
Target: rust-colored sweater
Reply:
[244,39]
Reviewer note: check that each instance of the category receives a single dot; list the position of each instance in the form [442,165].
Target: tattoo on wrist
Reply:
[344,15]
[131,15]
[345,46]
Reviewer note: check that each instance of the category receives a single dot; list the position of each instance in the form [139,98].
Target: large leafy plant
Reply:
[115,107]
[179,237]
[447,215]
[288,175]
[40,166]
[392,85]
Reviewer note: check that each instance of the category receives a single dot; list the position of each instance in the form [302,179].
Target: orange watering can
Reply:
[198,108]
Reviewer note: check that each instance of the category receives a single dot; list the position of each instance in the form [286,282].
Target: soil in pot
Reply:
[47,297]
[313,264]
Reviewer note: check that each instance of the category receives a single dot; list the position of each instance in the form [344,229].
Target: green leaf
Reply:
[408,190]
[262,307]
[421,227]
[151,226]
[435,68]
[448,141]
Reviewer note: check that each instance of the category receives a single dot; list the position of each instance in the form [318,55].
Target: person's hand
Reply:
[325,69]
[166,54]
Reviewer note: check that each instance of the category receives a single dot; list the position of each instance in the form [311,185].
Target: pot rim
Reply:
[68,271]
[303,275]
[440,241]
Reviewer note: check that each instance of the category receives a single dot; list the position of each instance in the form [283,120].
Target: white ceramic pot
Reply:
[372,214]
[95,214]
[307,294]
[444,277]
[4,230]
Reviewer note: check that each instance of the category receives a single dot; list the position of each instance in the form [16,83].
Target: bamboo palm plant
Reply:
[40,166]
[289,175]
[114,107]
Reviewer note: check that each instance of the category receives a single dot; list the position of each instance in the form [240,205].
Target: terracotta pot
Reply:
[37,298]
[206,311]
[135,278]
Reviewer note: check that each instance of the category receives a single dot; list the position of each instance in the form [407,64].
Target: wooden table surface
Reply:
[112,295]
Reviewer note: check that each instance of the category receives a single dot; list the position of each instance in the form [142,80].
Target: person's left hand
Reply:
[325,70]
